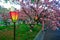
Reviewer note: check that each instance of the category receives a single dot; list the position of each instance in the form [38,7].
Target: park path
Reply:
[48,35]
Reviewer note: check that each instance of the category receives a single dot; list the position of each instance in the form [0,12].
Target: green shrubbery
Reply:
[23,31]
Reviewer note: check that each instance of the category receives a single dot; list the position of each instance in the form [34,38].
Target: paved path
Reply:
[40,36]
[52,35]
[49,35]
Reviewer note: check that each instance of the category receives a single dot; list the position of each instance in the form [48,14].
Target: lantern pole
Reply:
[14,29]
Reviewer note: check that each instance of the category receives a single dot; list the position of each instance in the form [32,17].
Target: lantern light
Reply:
[13,14]
[36,17]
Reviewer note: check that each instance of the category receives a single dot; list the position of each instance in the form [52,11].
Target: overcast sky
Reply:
[9,4]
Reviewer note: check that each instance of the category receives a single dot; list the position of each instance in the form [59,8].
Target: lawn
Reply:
[22,32]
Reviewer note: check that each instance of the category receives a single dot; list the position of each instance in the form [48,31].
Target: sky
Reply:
[9,5]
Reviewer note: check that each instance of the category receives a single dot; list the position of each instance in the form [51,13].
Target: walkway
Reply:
[48,35]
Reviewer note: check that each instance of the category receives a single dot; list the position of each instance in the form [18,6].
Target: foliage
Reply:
[22,32]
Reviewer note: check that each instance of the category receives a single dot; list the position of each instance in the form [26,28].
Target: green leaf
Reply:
[32,1]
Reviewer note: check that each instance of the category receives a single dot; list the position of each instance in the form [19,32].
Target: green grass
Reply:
[22,32]
[2,27]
